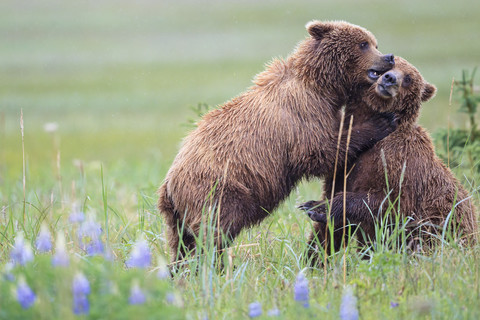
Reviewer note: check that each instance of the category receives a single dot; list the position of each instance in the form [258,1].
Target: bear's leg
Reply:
[238,211]
[320,237]
[360,208]
[357,213]
[180,241]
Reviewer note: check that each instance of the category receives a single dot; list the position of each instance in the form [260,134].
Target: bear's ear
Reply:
[428,91]
[318,29]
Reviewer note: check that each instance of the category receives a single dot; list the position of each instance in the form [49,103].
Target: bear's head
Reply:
[341,56]
[401,90]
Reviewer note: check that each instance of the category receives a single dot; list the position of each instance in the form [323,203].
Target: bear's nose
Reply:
[389,79]
[390,59]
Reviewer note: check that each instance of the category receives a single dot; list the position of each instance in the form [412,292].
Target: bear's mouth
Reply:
[384,91]
[374,74]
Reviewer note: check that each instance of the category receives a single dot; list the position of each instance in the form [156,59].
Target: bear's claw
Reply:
[315,210]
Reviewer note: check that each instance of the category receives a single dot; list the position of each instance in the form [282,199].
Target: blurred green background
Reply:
[119,77]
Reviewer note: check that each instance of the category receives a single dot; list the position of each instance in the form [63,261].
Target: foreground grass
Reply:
[260,267]
[118,79]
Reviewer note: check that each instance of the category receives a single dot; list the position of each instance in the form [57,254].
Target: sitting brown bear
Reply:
[245,157]
[426,190]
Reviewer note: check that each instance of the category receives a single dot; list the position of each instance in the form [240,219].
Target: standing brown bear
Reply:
[245,157]
[426,190]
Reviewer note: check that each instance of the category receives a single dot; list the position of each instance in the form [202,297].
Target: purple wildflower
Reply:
[60,258]
[108,254]
[301,293]
[273,312]
[170,297]
[136,295]
[80,290]
[81,304]
[163,272]
[80,285]
[348,307]
[25,295]
[254,309]
[21,252]
[140,257]
[8,271]
[76,216]
[89,236]
[94,247]
[90,229]
[173,298]
[43,242]
[394,304]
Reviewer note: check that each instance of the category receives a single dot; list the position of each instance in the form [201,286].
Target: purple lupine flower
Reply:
[89,236]
[163,272]
[77,215]
[81,305]
[274,312]
[80,284]
[300,290]
[254,309]
[43,242]
[108,254]
[21,252]
[170,297]
[80,290]
[60,258]
[136,295]
[25,295]
[8,271]
[94,247]
[8,275]
[348,307]
[90,229]
[140,257]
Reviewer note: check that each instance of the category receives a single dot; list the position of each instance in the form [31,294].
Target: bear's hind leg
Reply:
[181,243]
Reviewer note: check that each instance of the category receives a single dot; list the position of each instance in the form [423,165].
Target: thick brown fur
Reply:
[250,152]
[429,190]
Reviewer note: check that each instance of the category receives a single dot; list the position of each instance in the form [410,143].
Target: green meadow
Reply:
[105,92]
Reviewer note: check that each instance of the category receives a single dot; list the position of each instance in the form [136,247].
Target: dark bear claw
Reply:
[315,210]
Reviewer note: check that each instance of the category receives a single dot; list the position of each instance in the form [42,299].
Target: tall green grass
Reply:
[119,78]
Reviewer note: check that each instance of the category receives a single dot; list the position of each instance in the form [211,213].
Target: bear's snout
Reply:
[389,79]
[390,59]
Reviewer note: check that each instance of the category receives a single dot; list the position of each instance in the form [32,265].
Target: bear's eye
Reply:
[364,45]
[407,80]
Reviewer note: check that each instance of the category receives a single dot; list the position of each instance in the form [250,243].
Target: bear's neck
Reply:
[318,75]
[362,110]
[407,109]
[407,117]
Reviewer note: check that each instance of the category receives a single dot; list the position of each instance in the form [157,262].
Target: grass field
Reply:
[119,78]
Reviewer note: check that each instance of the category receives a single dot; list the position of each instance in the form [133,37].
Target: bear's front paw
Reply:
[316,210]
[388,122]
[309,205]
[317,217]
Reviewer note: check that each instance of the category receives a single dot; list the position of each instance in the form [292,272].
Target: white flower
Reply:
[50,127]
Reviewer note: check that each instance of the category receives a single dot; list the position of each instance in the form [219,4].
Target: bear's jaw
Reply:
[373,75]
[386,92]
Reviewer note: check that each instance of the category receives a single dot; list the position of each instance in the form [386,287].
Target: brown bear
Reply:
[245,157]
[418,182]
